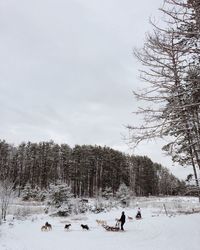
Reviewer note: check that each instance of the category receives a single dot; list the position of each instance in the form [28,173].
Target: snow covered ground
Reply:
[155,231]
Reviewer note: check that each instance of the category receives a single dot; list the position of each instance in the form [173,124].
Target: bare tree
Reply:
[171,69]
[6,193]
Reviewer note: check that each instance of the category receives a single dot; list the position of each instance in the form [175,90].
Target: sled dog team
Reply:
[118,226]
[48,227]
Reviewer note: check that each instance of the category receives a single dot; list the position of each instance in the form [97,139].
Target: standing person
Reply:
[138,215]
[122,220]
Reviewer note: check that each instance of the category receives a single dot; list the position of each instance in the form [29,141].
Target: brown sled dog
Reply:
[44,228]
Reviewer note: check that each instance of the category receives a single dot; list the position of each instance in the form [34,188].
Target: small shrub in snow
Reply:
[79,206]
[28,193]
[64,210]
[100,205]
[35,194]
[22,213]
[107,193]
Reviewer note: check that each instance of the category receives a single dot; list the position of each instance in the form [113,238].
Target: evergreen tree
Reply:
[59,193]
[123,194]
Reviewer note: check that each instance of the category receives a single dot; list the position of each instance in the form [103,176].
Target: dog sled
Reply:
[115,228]
[111,229]
[138,217]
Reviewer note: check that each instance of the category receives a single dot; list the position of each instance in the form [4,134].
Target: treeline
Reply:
[89,170]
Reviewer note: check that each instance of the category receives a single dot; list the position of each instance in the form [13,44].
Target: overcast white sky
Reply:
[67,71]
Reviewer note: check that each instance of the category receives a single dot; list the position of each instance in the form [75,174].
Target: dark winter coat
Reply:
[123,218]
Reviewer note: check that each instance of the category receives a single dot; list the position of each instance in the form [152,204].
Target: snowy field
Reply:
[156,231]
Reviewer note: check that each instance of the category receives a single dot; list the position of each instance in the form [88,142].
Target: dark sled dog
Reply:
[85,227]
[67,226]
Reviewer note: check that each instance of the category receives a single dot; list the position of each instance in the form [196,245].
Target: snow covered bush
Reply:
[107,193]
[64,210]
[103,205]
[60,198]
[98,206]
[22,213]
[123,194]
[80,206]
[35,194]
[59,193]
[27,193]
